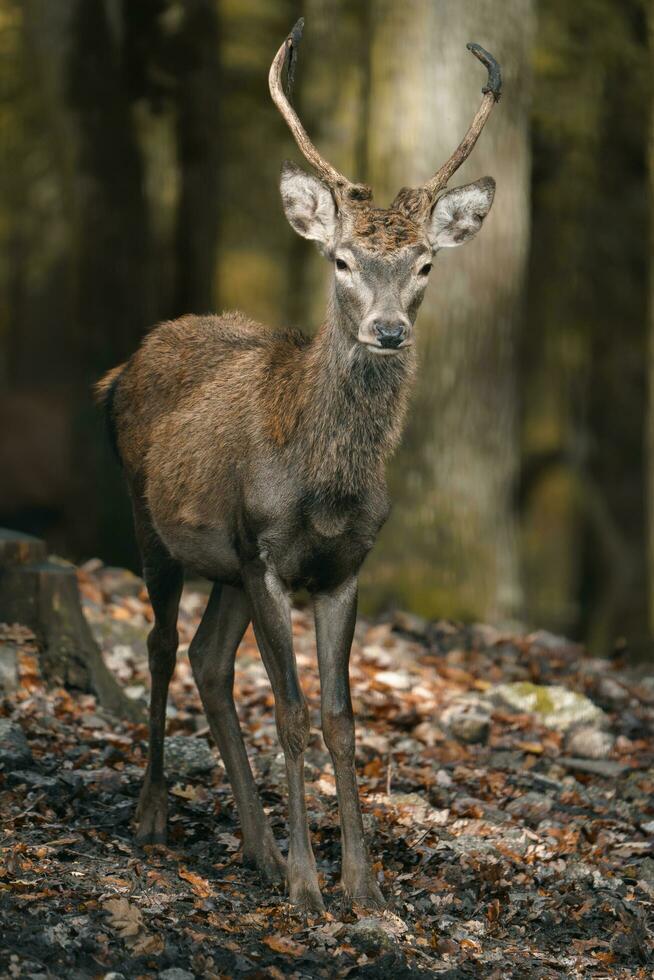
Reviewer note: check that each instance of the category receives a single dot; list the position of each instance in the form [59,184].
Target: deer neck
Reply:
[354,406]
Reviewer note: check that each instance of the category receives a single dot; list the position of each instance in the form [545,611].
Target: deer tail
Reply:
[105,391]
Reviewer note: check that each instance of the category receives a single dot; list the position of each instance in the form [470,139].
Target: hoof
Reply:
[151,816]
[306,896]
[365,892]
[266,859]
[144,837]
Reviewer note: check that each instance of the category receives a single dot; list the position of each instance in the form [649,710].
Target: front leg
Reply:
[271,617]
[335,614]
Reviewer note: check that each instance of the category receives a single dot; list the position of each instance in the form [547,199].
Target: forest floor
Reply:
[508,842]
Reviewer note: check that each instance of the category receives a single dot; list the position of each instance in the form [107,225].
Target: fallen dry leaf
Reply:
[534,748]
[147,944]
[124,917]
[282,944]
[199,886]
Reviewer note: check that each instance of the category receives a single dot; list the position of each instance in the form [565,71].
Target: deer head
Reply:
[382,257]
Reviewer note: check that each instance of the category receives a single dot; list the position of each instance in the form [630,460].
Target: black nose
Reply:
[389,333]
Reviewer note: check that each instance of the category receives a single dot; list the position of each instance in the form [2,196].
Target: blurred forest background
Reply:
[139,180]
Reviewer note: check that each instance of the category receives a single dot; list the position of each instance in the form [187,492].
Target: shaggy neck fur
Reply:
[353,407]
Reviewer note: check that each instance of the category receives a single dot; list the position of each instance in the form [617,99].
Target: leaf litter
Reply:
[507,844]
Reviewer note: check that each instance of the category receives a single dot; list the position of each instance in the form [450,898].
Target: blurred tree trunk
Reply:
[198,154]
[84,92]
[583,347]
[449,548]
[254,236]
[111,239]
[650,376]
[332,95]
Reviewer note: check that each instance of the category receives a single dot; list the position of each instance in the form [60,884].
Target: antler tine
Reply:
[491,91]
[287,54]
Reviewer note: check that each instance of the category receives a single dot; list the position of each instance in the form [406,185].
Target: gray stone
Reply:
[590,743]
[467,719]
[611,691]
[532,807]
[35,782]
[607,768]
[174,973]
[410,623]
[646,869]
[555,707]
[373,933]
[119,581]
[548,641]
[14,750]
[188,756]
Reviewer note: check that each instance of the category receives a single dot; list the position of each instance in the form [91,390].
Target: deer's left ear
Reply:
[459,214]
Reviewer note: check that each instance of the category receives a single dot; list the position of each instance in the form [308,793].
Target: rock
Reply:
[114,976]
[467,719]
[555,706]
[174,973]
[119,581]
[443,778]
[14,750]
[399,680]
[414,809]
[444,636]
[35,782]
[72,779]
[407,746]
[137,691]
[646,869]
[428,733]
[607,768]
[410,623]
[187,756]
[548,641]
[590,743]
[506,760]
[372,934]
[91,720]
[610,691]
[532,807]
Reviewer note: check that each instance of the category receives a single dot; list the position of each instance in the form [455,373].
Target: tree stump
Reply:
[42,593]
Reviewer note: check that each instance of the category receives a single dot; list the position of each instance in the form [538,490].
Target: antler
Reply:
[492,91]
[287,55]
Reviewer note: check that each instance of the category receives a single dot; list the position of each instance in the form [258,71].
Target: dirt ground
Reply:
[506,846]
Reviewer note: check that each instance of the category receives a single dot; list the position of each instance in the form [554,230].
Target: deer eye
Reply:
[426,269]
[342,266]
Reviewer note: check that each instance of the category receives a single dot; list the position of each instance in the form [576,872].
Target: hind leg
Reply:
[212,656]
[164,579]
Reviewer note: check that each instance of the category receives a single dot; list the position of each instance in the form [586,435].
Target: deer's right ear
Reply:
[309,206]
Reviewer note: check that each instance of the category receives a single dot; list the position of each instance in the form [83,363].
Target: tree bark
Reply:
[43,595]
[198,154]
[650,365]
[111,243]
[449,548]
[332,93]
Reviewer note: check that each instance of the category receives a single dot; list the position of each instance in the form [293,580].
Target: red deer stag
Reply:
[256,458]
